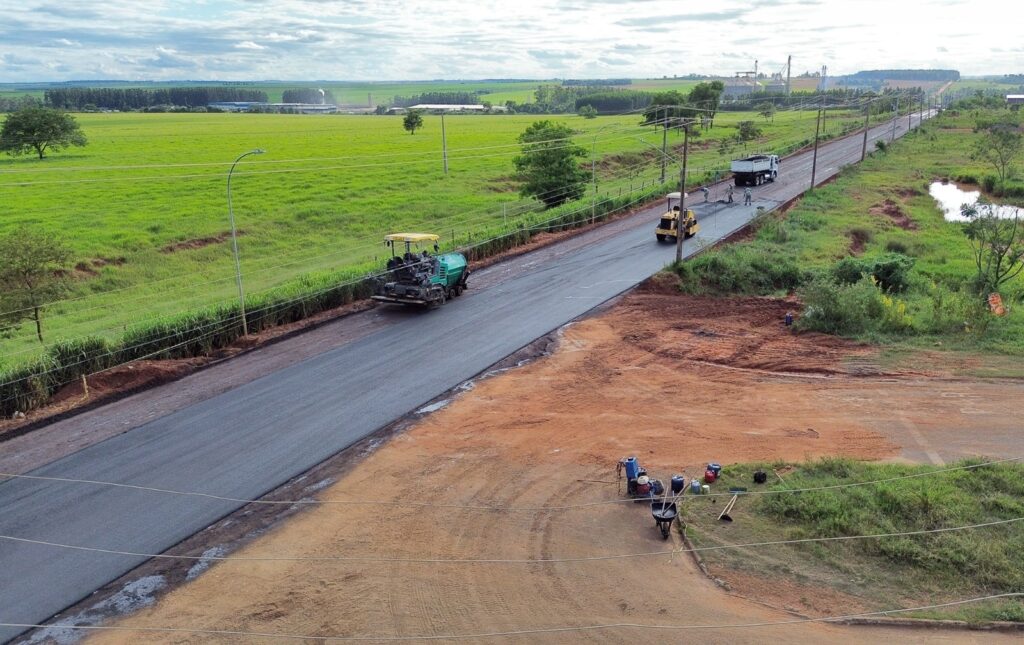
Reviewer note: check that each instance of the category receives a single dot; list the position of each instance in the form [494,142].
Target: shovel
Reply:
[728,508]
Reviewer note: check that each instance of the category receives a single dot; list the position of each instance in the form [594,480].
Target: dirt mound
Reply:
[198,242]
[858,240]
[102,262]
[127,378]
[892,210]
[747,333]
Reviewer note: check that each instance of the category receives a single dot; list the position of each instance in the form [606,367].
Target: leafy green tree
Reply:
[706,97]
[996,244]
[412,121]
[39,129]
[748,131]
[587,112]
[1000,144]
[548,165]
[31,275]
[767,110]
[665,109]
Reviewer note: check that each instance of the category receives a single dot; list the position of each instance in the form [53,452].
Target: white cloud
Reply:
[422,39]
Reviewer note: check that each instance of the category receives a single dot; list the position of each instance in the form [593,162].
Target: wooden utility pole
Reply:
[895,118]
[664,143]
[867,117]
[682,194]
[444,145]
[593,182]
[817,131]
[789,72]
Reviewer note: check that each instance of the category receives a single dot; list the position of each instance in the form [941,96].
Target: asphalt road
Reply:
[249,440]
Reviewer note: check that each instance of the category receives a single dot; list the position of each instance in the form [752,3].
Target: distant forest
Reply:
[878,75]
[105,98]
[307,95]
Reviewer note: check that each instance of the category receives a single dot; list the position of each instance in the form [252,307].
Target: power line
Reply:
[518,632]
[484,507]
[511,561]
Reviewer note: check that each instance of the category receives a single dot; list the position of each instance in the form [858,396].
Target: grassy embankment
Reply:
[319,200]
[886,572]
[871,212]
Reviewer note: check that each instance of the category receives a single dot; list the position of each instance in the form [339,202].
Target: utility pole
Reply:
[682,194]
[910,113]
[867,117]
[444,145]
[817,130]
[895,118]
[664,144]
[593,181]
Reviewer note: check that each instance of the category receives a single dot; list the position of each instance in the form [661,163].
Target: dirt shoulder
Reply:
[675,380]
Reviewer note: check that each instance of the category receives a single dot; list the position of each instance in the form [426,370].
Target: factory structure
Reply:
[753,82]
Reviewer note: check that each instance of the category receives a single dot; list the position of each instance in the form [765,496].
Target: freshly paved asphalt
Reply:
[249,440]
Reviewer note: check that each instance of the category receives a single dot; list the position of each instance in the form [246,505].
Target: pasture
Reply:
[143,206]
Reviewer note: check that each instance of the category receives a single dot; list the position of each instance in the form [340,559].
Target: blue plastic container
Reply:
[632,468]
[678,484]
[715,468]
[695,486]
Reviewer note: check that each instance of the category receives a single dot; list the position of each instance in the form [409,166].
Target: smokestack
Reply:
[789,71]
[322,96]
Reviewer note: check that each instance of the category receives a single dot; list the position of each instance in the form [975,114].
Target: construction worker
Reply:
[728,192]
[746,196]
[704,189]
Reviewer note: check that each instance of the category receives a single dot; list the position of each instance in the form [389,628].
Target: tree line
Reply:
[307,95]
[441,98]
[125,99]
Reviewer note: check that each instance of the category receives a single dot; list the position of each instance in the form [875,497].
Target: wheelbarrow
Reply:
[664,513]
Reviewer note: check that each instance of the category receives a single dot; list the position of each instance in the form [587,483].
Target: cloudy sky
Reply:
[47,40]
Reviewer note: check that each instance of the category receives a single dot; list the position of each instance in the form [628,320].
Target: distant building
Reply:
[741,87]
[1015,99]
[259,106]
[776,87]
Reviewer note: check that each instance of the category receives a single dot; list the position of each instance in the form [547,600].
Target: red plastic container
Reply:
[709,476]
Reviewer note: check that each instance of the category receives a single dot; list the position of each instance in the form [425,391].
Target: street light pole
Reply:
[234,240]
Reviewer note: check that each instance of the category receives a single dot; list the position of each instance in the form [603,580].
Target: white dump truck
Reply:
[755,169]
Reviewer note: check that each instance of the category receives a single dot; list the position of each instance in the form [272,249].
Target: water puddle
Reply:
[951,197]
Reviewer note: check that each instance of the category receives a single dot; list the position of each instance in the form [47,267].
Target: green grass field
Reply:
[321,198]
[881,573]
[882,206]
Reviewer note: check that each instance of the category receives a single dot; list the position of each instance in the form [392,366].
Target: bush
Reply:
[896,246]
[988,183]
[738,270]
[850,270]
[833,308]
[881,145]
[892,271]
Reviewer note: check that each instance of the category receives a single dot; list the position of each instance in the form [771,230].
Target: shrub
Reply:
[892,271]
[849,270]
[839,309]
[739,270]
[881,145]
[988,183]
[896,246]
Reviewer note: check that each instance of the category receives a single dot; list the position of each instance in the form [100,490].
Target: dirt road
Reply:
[646,378]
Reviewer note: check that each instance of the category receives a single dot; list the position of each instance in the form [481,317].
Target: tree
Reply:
[665,110]
[412,121]
[31,275]
[548,166]
[39,129]
[587,112]
[748,131]
[997,246]
[999,145]
[767,110]
[706,97]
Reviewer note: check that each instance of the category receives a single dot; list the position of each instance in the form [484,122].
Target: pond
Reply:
[951,197]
